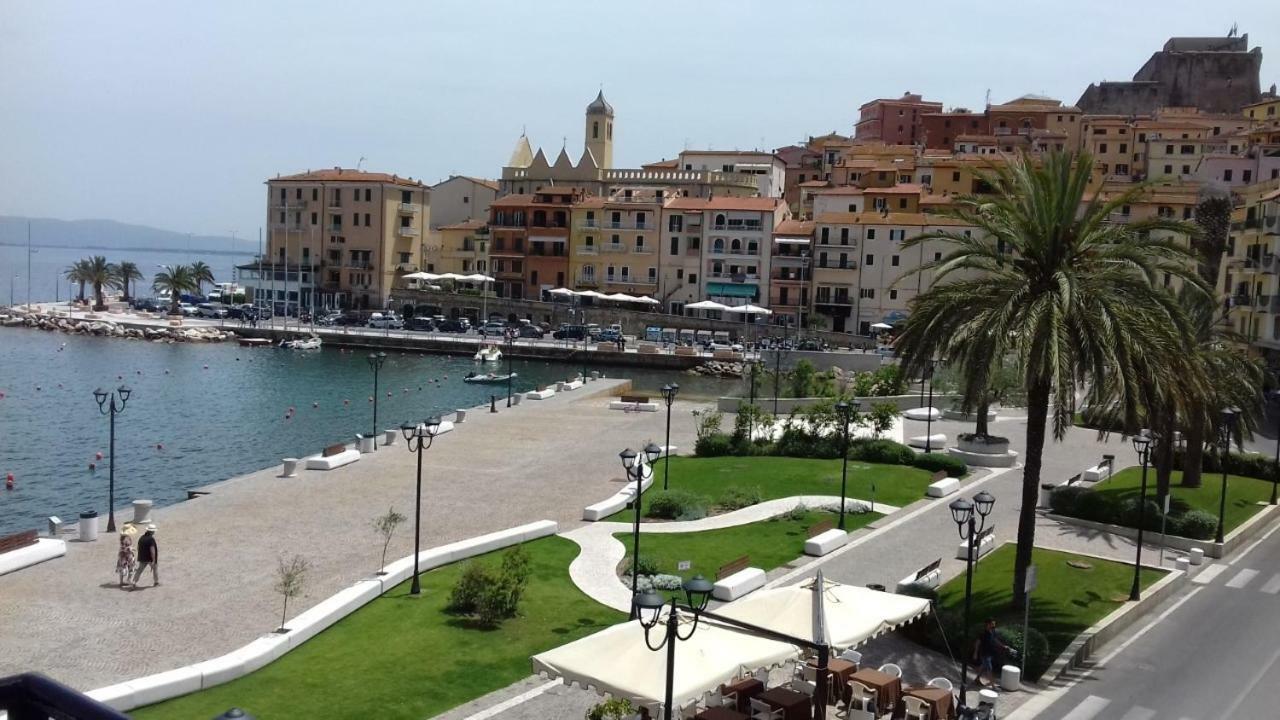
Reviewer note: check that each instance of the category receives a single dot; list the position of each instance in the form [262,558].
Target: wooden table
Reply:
[888,689]
[743,690]
[840,671]
[720,713]
[794,705]
[941,702]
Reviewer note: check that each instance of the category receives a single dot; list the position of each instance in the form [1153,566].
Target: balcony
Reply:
[730,227]
[837,265]
[742,253]
[735,277]
[589,224]
[629,280]
[587,281]
[335,229]
[838,299]
[409,208]
[407,232]
[629,226]
[406,267]
[641,250]
[613,248]
[289,204]
[587,250]
[287,226]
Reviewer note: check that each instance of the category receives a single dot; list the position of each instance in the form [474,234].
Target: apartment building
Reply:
[680,240]
[338,238]
[460,199]
[463,248]
[769,169]
[615,242]
[894,122]
[1011,124]
[791,273]
[736,235]
[1265,110]
[1250,273]
[529,249]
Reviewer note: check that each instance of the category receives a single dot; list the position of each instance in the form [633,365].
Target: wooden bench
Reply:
[635,398]
[334,450]
[737,578]
[18,540]
[929,576]
[824,537]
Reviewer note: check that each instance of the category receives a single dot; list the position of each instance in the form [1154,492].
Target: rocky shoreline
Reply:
[107,328]
[718,368]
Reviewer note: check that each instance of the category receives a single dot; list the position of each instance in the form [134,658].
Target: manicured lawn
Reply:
[779,477]
[1243,493]
[769,543]
[399,657]
[1066,602]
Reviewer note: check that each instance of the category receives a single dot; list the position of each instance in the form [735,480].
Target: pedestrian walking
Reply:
[148,556]
[124,559]
[989,653]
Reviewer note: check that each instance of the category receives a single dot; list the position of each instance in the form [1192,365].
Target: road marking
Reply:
[1139,713]
[1253,683]
[1242,578]
[1209,574]
[1088,708]
[517,700]
[1273,585]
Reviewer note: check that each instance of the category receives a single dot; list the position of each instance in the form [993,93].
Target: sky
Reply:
[173,114]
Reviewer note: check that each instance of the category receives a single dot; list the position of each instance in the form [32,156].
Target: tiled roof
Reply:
[464,225]
[757,204]
[512,201]
[841,190]
[794,227]
[348,175]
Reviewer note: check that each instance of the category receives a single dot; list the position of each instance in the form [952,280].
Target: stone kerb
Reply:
[786,405]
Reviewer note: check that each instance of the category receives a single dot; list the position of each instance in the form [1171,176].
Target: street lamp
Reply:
[844,410]
[634,465]
[418,437]
[649,606]
[1142,445]
[511,342]
[669,393]
[376,361]
[1226,429]
[107,406]
[971,520]
[928,418]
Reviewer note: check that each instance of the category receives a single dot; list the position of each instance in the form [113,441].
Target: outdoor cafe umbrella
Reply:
[421,276]
[648,300]
[561,291]
[748,310]
[881,326]
[477,277]
[620,297]
[616,661]
[706,305]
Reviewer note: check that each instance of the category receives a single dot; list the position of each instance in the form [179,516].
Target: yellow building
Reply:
[613,243]
[1249,270]
[1263,110]
[463,249]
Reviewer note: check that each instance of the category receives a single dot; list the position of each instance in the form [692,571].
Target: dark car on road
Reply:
[460,325]
[531,331]
[422,324]
[570,332]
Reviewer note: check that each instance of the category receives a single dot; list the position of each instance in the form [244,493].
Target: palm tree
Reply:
[78,273]
[175,280]
[1074,295]
[202,273]
[128,272]
[101,275]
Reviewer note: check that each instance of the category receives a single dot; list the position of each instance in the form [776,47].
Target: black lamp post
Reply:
[634,465]
[1226,429]
[755,369]
[649,606]
[418,437]
[669,393]
[1142,445]
[971,520]
[844,410]
[107,406]
[1275,469]
[511,342]
[376,361]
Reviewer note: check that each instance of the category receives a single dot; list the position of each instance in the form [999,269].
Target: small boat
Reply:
[488,378]
[488,354]
[307,343]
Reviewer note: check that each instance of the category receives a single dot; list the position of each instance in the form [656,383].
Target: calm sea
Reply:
[201,413]
[49,264]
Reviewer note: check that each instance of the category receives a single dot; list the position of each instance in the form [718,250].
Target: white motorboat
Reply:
[308,343]
[488,354]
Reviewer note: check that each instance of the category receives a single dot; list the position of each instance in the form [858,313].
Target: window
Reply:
[1186,169]
[675,246]
[867,293]
[675,223]
[368,195]
[1226,175]
[1168,169]
[893,294]
[639,243]
[871,233]
[1246,175]
[355,219]
[367,217]
[902,203]
[844,260]
[315,193]
[955,176]
[466,199]
[315,218]
[844,236]
[870,260]
[897,235]
[1102,147]
[826,235]
[679,273]
[893,261]
[937,256]
[693,278]
[1124,147]
[595,130]
[653,274]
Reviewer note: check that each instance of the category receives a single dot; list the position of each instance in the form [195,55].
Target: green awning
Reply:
[731,290]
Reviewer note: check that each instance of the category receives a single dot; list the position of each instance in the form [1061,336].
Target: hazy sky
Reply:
[173,113]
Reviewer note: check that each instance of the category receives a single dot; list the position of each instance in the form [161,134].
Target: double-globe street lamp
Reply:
[376,361]
[648,606]
[107,406]
[635,465]
[1142,445]
[971,520]
[669,393]
[418,437]
[847,412]
[1226,431]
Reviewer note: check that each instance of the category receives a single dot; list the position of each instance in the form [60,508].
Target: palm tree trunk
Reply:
[1037,420]
[98,304]
[81,291]
[980,429]
[1194,456]
[1164,456]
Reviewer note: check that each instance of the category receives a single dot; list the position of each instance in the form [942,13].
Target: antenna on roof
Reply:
[360,162]
[988,97]
[1234,29]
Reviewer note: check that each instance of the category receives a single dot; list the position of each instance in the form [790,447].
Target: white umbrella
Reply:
[851,614]
[592,294]
[475,278]
[451,276]
[648,300]
[422,276]
[881,326]
[706,305]
[561,291]
[616,661]
[620,297]
[749,310]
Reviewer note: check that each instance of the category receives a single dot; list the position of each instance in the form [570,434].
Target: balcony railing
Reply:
[409,208]
[289,204]
[589,224]
[727,251]
[629,226]
[837,265]
[335,229]
[832,300]
[738,228]
[630,280]
[641,250]
[407,231]
[735,277]
[588,281]
[288,226]
[587,250]
[613,248]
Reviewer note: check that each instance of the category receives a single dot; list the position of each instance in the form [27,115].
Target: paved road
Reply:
[1211,652]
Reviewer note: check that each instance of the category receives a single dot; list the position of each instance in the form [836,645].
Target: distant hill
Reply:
[112,235]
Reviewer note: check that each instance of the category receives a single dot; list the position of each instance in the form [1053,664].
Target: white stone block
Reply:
[540,394]
[1197,556]
[935,442]
[320,462]
[825,542]
[738,584]
[922,413]
[633,407]
[943,487]
[118,696]
[984,546]
[162,686]
[932,579]
[43,549]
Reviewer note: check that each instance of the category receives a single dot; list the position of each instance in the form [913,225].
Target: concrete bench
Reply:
[571,385]
[737,579]
[683,350]
[929,576]
[29,554]
[986,543]
[606,347]
[647,348]
[936,441]
[1101,471]
[616,501]
[825,542]
[726,355]
[540,394]
[943,487]
[330,462]
[924,413]
[633,407]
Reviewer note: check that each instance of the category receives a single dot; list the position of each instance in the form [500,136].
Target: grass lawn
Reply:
[779,477]
[769,543]
[1066,601]
[1243,493]
[399,657]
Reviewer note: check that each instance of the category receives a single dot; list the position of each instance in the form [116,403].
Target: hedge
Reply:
[1086,504]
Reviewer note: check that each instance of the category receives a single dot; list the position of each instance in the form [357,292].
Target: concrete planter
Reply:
[1234,539]
[982,445]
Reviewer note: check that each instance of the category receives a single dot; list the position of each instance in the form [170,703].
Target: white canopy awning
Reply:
[852,614]
[616,661]
[477,277]
[591,294]
[881,326]
[648,300]
[792,240]
[561,291]
[748,309]
[706,305]
[620,297]
[422,276]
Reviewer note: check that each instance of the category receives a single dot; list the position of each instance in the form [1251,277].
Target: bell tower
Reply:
[599,131]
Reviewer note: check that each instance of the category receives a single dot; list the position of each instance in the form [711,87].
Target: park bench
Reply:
[986,543]
[1101,471]
[542,393]
[18,540]
[929,576]
[737,578]
[824,537]
[334,456]
[26,548]
[634,403]
[941,486]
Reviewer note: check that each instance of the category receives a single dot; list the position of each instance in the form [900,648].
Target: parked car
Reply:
[531,331]
[187,309]
[608,335]
[422,324]
[209,310]
[493,327]
[570,332]
[460,325]
[387,320]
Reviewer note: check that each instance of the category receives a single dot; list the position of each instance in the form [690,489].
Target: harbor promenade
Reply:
[540,460]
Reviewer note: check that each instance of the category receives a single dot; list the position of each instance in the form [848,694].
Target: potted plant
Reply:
[983,443]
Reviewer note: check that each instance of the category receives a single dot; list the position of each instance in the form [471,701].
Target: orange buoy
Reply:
[97,455]
[8,481]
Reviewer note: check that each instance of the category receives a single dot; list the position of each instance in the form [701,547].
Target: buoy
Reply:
[37,388]
[119,377]
[206,367]
[388,393]
[159,446]
[97,456]
[166,371]
[93,466]
[346,402]
[8,481]
[315,404]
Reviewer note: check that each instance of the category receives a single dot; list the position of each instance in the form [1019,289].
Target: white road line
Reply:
[1088,708]
[517,700]
[1242,578]
[1209,574]
[1273,585]
[1139,713]
[1253,683]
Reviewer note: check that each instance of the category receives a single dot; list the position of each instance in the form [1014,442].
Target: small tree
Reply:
[801,379]
[385,526]
[881,417]
[291,576]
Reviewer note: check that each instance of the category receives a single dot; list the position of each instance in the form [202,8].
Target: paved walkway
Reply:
[539,460]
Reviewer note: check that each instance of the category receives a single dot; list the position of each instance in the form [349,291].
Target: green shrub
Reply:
[677,505]
[933,462]
[1037,658]
[1095,507]
[615,709]
[881,418]
[713,445]
[464,598]
[736,498]
[1178,506]
[946,633]
[1197,525]
[886,452]
[1064,499]
[646,566]
[488,595]
[1254,465]
[797,513]
[1128,511]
